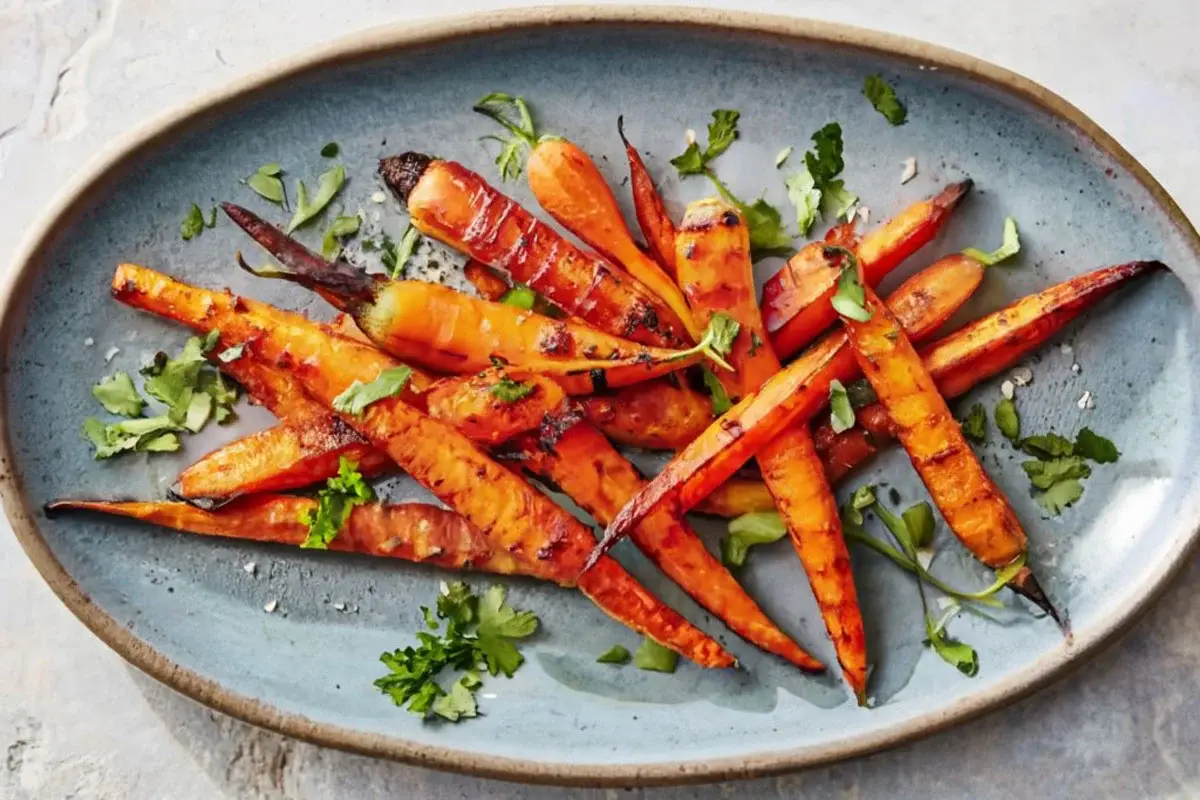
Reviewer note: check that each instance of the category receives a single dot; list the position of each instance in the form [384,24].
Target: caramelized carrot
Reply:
[600,480]
[842,452]
[488,282]
[409,531]
[648,204]
[791,396]
[566,183]
[795,300]
[445,330]
[515,516]
[657,415]
[475,407]
[735,497]
[456,206]
[973,506]
[713,258]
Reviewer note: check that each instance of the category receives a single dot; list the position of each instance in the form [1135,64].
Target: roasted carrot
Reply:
[567,184]
[482,406]
[649,207]
[973,506]
[445,330]
[489,282]
[454,205]
[842,452]
[791,396]
[410,531]
[657,415]
[714,269]
[512,514]
[795,300]
[582,463]
[735,497]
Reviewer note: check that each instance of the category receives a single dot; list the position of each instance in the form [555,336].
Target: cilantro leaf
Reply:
[1095,447]
[975,426]
[690,161]
[957,654]
[1044,474]
[1047,445]
[395,257]
[850,298]
[192,224]
[722,132]
[183,382]
[1010,246]
[498,625]
[814,191]
[720,399]
[614,655]
[358,395]
[499,107]
[841,413]
[334,503]
[863,498]
[825,161]
[265,182]
[510,391]
[837,202]
[883,98]
[722,331]
[329,183]
[767,236]
[520,297]
[148,434]
[806,197]
[343,225]
[118,395]
[918,521]
[654,657]
[330,150]
[456,603]
[459,702]
[756,527]
[1059,496]
[1007,419]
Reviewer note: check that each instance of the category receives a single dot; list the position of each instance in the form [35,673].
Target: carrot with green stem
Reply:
[568,185]
[649,207]
[513,515]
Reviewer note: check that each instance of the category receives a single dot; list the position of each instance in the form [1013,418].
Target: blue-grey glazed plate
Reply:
[183,608]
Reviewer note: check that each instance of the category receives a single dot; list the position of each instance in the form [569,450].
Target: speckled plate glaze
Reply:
[183,609]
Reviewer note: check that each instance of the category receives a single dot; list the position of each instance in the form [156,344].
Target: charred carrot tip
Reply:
[1026,585]
[949,198]
[402,172]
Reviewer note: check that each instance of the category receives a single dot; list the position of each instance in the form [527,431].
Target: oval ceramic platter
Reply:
[184,609]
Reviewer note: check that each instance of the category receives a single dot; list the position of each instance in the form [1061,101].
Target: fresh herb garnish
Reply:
[231,354]
[147,435]
[1044,474]
[755,343]
[755,527]
[975,426]
[720,399]
[509,391]
[1060,496]
[1007,419]
[841,412]
[520,296]
[341,494]
[266,182]
[1010,246]
[883,98]
[1094,447]
[918,519]
[395,257]
[1058,466]
[1047,445]
[119,396]
[194,223]
[614,655]
[358,395]
[850,298]
[782,157]
[189,386]
[655,657]
[722,132]
[329,184]
[861,394]
[479,633]
[815,190]
[330,150]
[342,226]
[716,342]
[498,107]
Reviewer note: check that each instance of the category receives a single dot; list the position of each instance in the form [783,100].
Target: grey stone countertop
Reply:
[76,721]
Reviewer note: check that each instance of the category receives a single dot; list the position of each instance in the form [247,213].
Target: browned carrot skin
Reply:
[473,407]
[842,452]
[515,517]
[411,531]
[649,207]
[713,259]
[600,480]
[490,283]
[657,415]
[795,301]
[567,184]
[456,206]
[735,497]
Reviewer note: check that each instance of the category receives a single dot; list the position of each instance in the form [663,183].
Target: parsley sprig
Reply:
[512,113]
[816,191]
[335,501]
[883,98]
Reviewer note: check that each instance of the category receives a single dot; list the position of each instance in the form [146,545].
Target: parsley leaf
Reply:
[1095,447]
[1007,419]
[498,107]
[722,132]
[1044,474]
[1010,246]
[841,413]
[825,161]
[193,224]
[814,191]
[334,503]
[883,98]
[756,527]
[342,225]
[231,354]
[151,434]
[850,298]
[1047,445]
[720,399]
[265,182]
[974,427]
[806,197]
[190,388]
[395,257]
[329,183]
[459,702]
[1059,496]
[520,296]
[358,395]
[330,150]
[957,654]
[614,655]
[499,624]
[837,202]
[510,391]
[118,395]
[654,657]
[918,520]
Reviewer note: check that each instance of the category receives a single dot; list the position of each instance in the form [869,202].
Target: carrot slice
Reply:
[566,183]
[713,258]
[456,206]
[600,480]
[445,330]
[657,415]
[649,207]
[514,515]
[409,531]
[795,300]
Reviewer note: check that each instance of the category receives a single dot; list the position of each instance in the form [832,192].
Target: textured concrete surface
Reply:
[75,721]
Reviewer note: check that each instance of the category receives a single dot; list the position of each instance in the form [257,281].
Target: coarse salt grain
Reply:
[1007,390]
[271,606]
[88,342]
[910,170]
[1086,401]
[864,215]
[250,567]
[1022,376]
[111,353]
[1065,349]
[690,136]
[1076,368]
[340,606]
[378,197]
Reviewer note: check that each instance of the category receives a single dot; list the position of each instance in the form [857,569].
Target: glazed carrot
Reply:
[600,480]
[473,406]
[735,497]
[795,300]
[842,452]
[513,515]
[713,259]
[567,184]
[657,415]
[409,531]
[973,506]
[445,330]
[490,283]
[791,396]
[456,206]
[648,204]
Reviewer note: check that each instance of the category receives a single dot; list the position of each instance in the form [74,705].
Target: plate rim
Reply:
[70,202]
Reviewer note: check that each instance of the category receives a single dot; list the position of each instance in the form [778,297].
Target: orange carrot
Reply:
[735,497]
[648,204]
[795,300]
[511,513]
[456,206]
[657,415]
[490,283]
[713,259]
